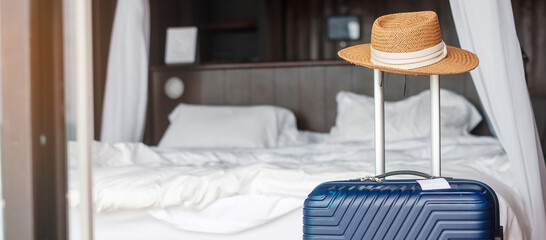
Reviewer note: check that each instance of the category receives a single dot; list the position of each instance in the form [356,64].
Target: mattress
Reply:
[142,192]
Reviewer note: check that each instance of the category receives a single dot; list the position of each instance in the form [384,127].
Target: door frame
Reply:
[33,138]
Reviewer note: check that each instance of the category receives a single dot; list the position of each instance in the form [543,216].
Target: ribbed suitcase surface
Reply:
[399,209]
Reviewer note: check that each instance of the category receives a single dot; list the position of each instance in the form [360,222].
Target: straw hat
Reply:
[410,43]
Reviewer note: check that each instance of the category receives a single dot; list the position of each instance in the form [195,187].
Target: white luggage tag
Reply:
[434,184]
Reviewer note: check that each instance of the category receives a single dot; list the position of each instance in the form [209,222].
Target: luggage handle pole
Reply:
[379,131]
[435,125]
[379,125]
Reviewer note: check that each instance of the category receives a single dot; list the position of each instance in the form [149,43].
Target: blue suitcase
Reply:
[375,208]
[400,209]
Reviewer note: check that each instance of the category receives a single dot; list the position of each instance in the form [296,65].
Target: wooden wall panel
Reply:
[308,91]
[262,86]
[312,99]
[470,90]
[287,88]
[362,80]
[455,82]
[237,87]
[416,84]
[394,85]
[213,87]
[338,78]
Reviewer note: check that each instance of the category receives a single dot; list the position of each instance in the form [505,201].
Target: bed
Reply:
[273,179]
[243,172]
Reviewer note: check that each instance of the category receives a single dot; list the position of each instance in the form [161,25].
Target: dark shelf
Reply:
[219,66]
[229,26]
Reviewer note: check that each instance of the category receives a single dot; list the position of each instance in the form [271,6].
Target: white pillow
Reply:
[200,126]
[408,118]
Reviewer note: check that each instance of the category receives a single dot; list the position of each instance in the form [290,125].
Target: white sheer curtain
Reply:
[486,27]
[125,97]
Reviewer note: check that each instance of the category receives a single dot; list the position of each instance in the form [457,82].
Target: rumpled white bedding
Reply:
[192,188]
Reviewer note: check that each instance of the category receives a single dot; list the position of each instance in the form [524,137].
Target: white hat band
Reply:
[409,60]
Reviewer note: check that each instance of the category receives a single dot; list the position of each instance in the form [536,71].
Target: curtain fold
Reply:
[487,28]
[126,92]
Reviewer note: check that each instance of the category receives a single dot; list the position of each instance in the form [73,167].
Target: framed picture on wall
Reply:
[181,44]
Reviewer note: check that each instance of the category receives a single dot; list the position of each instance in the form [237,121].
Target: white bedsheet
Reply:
[176,184]
[139,225]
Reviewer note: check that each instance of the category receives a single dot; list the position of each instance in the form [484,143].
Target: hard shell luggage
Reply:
[375,208]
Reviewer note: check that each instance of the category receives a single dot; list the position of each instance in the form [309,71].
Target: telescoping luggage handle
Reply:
[405,172]
[379,132]
[379,178]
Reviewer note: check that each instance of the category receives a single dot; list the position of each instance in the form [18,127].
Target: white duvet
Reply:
[232,190]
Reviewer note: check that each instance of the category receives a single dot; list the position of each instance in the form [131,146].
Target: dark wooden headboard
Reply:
[307,88]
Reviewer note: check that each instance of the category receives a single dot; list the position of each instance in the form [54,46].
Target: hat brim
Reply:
[456,61]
